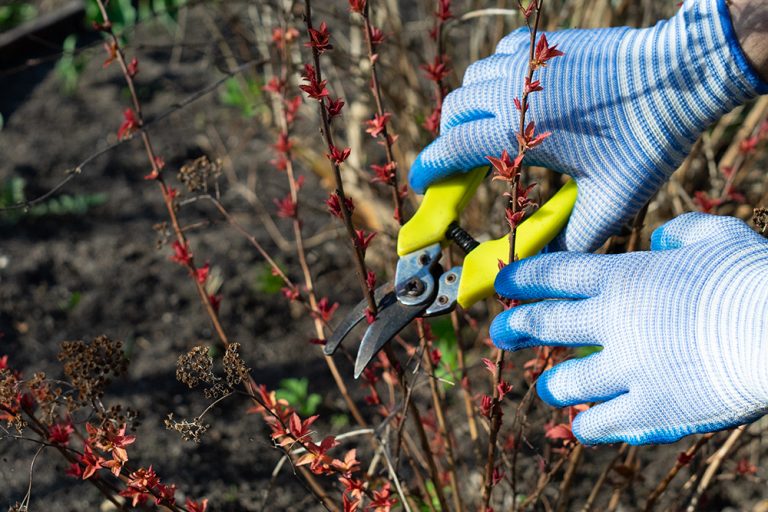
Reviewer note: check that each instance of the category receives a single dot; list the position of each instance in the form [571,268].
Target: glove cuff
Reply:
[713,66]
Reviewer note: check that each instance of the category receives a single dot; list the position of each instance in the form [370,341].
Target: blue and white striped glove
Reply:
[624,106]
[684,331]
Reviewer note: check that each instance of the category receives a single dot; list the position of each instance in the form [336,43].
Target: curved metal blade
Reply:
[354,317]
[391,320]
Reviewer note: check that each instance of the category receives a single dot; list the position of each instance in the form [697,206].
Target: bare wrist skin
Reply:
[750,20]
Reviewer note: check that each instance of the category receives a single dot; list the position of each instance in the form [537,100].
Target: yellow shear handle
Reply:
[442,205]
[481,265]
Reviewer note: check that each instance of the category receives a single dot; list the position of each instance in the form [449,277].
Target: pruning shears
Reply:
[421,287]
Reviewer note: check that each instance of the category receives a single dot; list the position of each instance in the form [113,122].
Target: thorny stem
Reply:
[359,256]
[300,250]
[164,189]
[376,91]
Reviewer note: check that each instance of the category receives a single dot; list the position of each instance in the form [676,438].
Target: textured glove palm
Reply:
[624,106]
[684,331]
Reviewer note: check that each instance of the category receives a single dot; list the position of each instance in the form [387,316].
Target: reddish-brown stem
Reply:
[496,415]
[358,253]
[176,225]
[164,189]
[285,125]
[397,199]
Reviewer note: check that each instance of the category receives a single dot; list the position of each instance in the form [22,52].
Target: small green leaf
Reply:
[266,282]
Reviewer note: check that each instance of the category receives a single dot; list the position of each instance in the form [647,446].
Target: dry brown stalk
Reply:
[595,492]
[573,463]
[413,409]
[533,498]
[632,465]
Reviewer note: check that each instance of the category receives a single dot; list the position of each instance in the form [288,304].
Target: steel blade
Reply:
[389,322]
[354,317]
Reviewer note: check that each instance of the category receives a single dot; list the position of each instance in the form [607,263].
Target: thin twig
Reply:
[713,466]
[680,463]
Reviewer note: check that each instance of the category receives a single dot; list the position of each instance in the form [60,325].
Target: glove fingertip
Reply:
[507,338]
[419,177]
[544,389]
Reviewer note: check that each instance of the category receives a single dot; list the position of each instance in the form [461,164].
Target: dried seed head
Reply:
[197,174]
[189,430]
[90,367]
[9,387]
[195,366]
[234,366]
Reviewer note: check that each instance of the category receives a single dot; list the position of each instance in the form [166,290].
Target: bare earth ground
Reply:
[129,290]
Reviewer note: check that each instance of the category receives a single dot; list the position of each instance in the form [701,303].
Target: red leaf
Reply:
[357,6]
[129,126]
[181,253]
[319,39]
[338,156]
[377,125]
[544,53]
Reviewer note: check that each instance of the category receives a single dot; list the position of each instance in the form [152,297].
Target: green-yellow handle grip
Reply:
[442,205]
[481,265]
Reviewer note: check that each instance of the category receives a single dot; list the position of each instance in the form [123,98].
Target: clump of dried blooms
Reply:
[189,430]
[234,366]
[197,174]
[194,367]
[91,366]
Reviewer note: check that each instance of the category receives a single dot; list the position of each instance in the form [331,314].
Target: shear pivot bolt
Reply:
[424,259]
[450,278]
[442,300]
[414,287]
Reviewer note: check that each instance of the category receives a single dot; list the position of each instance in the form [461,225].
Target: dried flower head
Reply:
[189,430]
[90,367]
[234,366]
[195,366]
[198,174]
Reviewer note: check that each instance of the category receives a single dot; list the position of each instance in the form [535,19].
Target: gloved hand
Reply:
[684,331]
[624,107]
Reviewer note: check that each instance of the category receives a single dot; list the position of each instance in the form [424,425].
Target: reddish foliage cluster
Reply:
[292,433]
